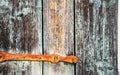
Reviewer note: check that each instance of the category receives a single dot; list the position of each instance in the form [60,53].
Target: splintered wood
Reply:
[54,58]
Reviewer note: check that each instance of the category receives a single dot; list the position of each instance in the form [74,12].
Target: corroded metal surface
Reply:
[54,58]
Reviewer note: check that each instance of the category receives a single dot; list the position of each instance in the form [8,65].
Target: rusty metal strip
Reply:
[54,58]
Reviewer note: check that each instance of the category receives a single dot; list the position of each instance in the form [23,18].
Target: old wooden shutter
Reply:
[85,28]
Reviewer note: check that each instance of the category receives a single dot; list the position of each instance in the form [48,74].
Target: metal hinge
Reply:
[54,58]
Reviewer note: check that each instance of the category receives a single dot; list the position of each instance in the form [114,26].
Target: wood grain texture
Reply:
[96,37]
[20,32]
[58,34]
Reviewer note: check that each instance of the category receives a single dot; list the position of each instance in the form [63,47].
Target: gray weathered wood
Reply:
[96,37]
[20,32]
[58,34]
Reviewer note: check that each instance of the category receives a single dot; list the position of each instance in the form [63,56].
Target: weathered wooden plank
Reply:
[79,36]
[20,32]
[96,32]
[118,41]
[58,34]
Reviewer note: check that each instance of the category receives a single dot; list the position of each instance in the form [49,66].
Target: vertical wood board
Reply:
[58,34]
[20,32]
[96,37]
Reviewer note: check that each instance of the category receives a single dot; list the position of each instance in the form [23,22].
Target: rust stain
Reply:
[58,27]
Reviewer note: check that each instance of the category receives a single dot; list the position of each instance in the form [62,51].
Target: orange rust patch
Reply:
[58,26]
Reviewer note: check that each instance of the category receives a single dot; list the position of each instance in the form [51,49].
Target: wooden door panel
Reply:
[21,32]
[86,28]
[96,37]
[58,34]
